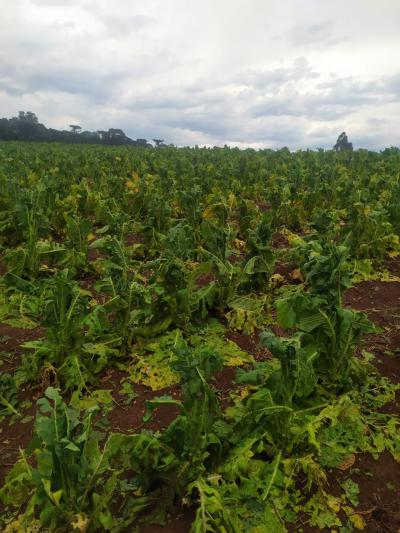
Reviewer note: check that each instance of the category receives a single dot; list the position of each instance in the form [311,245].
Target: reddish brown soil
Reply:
[381,302]
[249,344]
[236,258]
[128,419]
[264,206]
[180,523]
[393,265]
[378,480]
[3,268]
[224,382]
[379,484]
[379,492]
[205,279]
[92,255]
[133,238]
[280,241]
[374,296]
[16,435]
[285,270]
[88,283]
[10,340]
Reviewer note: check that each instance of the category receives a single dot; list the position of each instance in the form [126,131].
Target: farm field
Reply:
[200,340]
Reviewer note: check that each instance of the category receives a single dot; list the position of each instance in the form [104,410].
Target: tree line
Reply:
[26,127]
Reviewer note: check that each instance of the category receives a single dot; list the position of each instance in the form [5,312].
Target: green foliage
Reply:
[138,259]
[325,330]
[325,268]
[67,484]
[191,433]
[8,396]
[329,331]
[371,234]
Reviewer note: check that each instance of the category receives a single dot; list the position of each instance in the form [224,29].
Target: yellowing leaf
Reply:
[154,372]
[239,245]
[20,526]
[296,275]
[208,213]
[55,497]
[333,503]
[231,200]
[396,456]
[135,176]
[357,521]
[80,522]
[245,391]
[277,279]
[236,360]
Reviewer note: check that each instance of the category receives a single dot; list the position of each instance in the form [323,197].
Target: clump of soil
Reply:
[249,344]
[280,241]
[133,238]
[129,418]
[205,279]
[179,523]
[93,255]
[264,206]
[10,340]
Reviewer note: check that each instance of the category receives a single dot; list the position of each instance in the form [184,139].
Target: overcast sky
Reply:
[259,73]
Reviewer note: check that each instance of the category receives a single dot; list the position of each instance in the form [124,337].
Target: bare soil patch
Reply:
[379,484]
[133,238]
[280,241]
[11,339]
[129,418]
[180,523]
[249,344]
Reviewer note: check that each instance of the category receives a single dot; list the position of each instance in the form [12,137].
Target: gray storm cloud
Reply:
[248,73]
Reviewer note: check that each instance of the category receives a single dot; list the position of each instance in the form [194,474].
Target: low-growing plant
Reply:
[71,483]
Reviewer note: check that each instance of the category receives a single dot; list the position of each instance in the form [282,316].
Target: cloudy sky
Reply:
[259,73]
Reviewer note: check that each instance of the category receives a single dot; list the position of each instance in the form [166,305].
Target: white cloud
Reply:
[247,72]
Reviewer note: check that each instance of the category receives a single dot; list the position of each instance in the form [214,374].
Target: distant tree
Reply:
[26,127]
[117,136]
[5,129]
[113,136]
[342,143]
[27,117]
[159,142]
[142,142]
[75,128]
[89,137]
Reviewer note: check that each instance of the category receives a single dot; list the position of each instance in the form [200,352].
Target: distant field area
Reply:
[200,340]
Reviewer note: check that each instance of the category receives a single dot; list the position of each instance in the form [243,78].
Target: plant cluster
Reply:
[134,261]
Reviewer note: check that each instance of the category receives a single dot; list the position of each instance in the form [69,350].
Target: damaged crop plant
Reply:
[132,271]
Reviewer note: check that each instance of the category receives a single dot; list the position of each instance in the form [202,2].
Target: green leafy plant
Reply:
[66,487]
